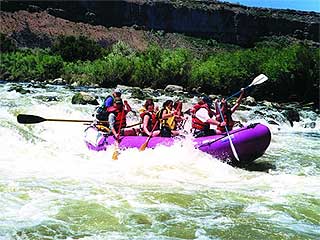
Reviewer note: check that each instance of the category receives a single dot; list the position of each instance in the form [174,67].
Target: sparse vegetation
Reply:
[6,44]
[72,48]
[292,69]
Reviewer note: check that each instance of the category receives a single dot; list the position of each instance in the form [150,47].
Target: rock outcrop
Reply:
[224,22]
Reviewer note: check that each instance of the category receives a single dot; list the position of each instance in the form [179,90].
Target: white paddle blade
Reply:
[233,149]
[259,79]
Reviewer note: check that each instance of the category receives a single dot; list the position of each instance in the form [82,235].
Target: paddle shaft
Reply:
[229,137]
[217,139]
[68,120]
[237,93]
[32,119]
[129,126]
[145,144]
[151,133]
[116,153]
[258,80]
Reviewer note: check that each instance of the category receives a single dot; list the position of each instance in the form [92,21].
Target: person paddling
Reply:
[117,118]
[227,112]
[149,120]
[179,116]
[166,117]
[203,123]
[149,100]
[104,110]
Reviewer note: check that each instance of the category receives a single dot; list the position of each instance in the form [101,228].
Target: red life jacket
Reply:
[152,119]
[196,122]
[120,119]
[228,119]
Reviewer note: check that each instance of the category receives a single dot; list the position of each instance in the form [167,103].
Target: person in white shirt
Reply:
[203,123]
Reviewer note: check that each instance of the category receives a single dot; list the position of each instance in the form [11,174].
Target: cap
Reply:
[117,90]
[118,100]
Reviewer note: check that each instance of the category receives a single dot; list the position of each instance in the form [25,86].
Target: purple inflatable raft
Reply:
[250,142]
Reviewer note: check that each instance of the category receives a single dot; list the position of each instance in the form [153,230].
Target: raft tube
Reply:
[250,142]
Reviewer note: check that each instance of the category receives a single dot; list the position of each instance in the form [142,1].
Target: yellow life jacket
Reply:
[141,110]
[169,122]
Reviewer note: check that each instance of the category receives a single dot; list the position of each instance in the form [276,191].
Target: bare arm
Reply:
[234,108]
[166,115]
[112,120]
[145,124]
[128,107]
[216,105]
[213,121]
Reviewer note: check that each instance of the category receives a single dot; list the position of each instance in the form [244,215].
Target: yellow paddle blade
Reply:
[115,155]
[143,146]
[116,151]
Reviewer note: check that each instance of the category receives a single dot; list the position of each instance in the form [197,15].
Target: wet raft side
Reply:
[250,142]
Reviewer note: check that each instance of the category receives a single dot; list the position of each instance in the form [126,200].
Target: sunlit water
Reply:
[52,187]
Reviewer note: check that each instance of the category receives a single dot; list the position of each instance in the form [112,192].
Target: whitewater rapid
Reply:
[53,187]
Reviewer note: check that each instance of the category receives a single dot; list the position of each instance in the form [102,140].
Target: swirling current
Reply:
[53,187]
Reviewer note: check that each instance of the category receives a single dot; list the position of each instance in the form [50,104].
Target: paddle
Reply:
[231,144]
[129,126]
[208,142]
[116,150]
[258,80]
[145,145]
[132,125]
[31,119]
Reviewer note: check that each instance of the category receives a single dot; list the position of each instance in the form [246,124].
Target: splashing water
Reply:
[53,187]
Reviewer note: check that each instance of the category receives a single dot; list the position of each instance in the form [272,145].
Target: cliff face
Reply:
[227,23]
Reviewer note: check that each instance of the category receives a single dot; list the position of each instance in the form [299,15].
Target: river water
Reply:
[52,187]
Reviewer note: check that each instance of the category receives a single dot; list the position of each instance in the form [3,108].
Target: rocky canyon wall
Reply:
[224,22]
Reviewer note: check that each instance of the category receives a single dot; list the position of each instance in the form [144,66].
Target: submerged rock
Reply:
[292,115]
[310,125]
[138,93]
[84,98]
[48,98]
[58,81]
[19,89]
[250,101]
[174,88]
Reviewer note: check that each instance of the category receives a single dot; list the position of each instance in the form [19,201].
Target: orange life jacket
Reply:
[196,122]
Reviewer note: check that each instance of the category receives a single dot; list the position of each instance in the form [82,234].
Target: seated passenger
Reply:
[227,112]
[167,120]
[150,123]
[180,118]
[117,118]
[203,123]
[103,111]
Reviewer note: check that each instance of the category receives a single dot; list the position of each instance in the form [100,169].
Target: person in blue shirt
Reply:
[103,112]
[109,100]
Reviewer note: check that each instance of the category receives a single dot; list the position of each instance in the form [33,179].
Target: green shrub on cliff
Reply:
[293,70]
[6,44]
[122,49]
[158,67]
[220,72]
[113,69]
[72,48]
[174,67]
